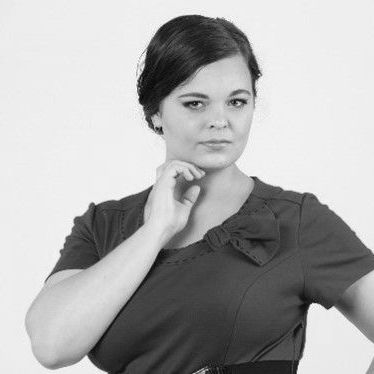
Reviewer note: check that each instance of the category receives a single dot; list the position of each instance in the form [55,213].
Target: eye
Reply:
[187,104]
[243,101]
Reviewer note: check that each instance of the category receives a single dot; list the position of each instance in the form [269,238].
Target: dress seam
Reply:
[294,253]
[303,268]
[276,198]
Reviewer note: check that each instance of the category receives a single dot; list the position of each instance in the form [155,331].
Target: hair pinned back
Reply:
[180,48]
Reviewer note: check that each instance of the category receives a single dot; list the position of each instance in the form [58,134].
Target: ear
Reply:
[157,122]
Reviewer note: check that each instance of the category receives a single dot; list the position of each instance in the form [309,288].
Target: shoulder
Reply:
[114,220]
[124,203]
[275,194]
[296,205]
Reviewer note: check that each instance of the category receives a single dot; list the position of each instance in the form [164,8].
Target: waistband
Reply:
[258,367]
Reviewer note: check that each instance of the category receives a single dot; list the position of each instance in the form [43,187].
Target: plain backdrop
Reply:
[73,132]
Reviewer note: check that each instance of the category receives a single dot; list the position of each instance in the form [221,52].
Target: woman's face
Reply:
[207,107]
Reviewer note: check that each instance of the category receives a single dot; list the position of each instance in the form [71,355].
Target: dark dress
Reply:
[239,295]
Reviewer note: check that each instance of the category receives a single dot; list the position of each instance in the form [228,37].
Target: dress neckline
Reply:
[191,250]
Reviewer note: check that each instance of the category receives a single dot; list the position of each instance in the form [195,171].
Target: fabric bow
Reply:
[256,234]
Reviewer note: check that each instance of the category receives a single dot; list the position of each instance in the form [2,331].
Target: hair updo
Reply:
[179,48]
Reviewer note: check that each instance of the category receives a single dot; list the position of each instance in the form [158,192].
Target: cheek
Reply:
[180,140]
[176,133]
[245,134]
[186,134]
[241,134]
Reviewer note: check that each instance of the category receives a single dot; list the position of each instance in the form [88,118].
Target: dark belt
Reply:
[259,367]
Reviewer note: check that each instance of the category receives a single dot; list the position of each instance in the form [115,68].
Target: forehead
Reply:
[226,74]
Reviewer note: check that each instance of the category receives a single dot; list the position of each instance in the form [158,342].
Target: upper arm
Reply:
[80,249]
[52,280]
[332,256]
[357,304]
[56,278]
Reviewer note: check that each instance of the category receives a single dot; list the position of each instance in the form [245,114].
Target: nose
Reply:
[218,123]
[218,117]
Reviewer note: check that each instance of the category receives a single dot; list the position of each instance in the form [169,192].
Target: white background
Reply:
[72,132]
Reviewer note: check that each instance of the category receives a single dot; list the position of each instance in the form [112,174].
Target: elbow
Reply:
[44,349]
[40,347]
[47,356]
[44,356]
[49,352]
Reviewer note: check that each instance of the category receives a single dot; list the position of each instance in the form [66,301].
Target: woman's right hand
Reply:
[162,209]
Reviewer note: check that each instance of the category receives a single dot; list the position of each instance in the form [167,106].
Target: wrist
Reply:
[157,232]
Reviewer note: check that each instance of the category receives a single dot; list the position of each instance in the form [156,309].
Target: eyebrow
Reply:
[197,94]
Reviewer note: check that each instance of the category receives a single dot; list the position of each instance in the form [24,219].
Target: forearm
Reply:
[68,319]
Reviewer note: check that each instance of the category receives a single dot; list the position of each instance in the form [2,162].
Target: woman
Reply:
[208,270]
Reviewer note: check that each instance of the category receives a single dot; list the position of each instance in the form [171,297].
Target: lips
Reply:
[215,145]
[216,141]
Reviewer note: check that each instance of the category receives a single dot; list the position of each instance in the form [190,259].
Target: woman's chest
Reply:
[200,222]
[192,233]
[219,301]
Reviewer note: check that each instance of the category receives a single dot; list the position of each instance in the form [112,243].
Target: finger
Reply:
[191,195]
[178,169]
[193,168]
[187,174]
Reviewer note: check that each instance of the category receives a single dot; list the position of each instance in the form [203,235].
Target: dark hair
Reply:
[179,48]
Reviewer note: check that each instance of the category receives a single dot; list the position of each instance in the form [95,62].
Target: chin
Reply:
[215,165]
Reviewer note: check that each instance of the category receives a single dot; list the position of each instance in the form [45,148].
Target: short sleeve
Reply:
[79,250]
[332,255]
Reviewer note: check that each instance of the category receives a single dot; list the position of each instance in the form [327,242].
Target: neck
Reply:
[216,185]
